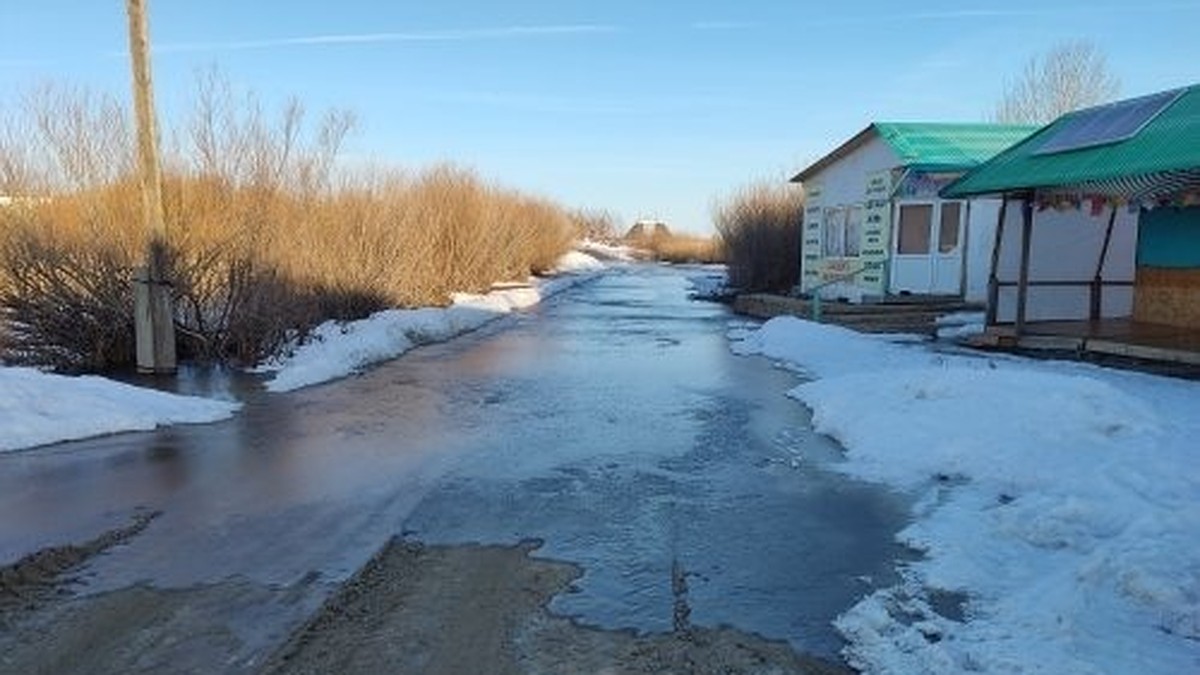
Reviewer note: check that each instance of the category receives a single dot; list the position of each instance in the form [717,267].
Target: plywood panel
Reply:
[1169,296]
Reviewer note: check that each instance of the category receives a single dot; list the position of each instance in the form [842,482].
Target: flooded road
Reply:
[612,423]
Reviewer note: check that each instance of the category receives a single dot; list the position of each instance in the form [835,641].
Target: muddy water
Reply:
[612,423]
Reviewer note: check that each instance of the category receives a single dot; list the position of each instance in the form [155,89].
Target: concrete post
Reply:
[154,323]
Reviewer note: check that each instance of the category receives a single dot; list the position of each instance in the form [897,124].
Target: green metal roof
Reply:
[1163,153]
[931,146]
[949,146]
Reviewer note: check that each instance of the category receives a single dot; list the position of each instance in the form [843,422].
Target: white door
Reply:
[927,250]
[948,250]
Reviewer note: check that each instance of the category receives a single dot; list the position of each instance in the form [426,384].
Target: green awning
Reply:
[1158,159]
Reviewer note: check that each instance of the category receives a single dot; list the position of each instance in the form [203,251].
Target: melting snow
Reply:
[1062,499]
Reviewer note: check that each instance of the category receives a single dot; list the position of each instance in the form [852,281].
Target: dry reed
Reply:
[660,243]
[266,238]
[760,229]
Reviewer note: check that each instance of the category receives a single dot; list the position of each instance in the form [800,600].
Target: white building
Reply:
[874,226]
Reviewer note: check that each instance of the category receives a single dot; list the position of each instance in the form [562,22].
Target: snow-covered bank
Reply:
[607,252]
[37,408]
[1062,498]
[338,349]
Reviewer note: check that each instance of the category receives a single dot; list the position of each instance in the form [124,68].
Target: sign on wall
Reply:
[876,232]
[813,225]
[846,245]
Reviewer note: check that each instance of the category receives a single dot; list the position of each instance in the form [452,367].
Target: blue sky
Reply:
[649,109]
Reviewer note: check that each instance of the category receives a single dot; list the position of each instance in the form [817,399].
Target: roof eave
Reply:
[856,141]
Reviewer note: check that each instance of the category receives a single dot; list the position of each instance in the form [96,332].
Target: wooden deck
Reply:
[915,315]
[1116,337]
[1178,349]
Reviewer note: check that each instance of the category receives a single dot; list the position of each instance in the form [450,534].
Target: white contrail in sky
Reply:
[455,35]
[1001,12]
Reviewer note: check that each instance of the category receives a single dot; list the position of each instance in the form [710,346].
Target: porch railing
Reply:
[814,292]
[1095,293]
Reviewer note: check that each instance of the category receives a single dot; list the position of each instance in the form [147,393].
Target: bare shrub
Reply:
[760,228]
[266,238]
[1070,76]
[666,246]
[83,137]
[595,224]
[67,305]
[655,240]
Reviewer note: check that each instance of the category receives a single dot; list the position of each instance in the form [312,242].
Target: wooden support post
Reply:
[1097,296]
[154,323]
[1023,280]
[964,247]
[993,299]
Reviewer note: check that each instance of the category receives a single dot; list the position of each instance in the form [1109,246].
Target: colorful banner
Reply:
[876,233]
[811,246]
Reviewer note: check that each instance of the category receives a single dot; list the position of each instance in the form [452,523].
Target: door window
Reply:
[948,232]
[916,220]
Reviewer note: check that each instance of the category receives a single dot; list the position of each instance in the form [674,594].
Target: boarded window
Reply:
[916,221]
[835,233]
[948,232]
[854,222]
[842,228]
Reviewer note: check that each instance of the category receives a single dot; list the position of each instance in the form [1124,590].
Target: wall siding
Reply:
[1066,246]
[840,184]
[1169,296]
[1170,237]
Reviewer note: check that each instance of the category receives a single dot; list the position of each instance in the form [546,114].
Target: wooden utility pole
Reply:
[154,320]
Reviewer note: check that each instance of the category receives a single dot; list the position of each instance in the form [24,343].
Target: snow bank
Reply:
[712,285]
[959,325]
[577,261]
[37,408]
[607,252]
[1062,499]
[338,349]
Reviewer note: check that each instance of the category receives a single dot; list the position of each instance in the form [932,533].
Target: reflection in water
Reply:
[612,422]
[166,454]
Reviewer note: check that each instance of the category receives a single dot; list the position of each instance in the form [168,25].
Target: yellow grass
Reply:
[264,235]
[682,248]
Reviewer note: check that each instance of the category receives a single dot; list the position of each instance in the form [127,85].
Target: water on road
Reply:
[612,423]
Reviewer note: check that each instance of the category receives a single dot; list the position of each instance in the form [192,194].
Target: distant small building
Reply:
[1102,220]
[875,226]
[645,228]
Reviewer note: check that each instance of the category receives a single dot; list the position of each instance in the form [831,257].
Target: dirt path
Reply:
[482,609]
[410,609]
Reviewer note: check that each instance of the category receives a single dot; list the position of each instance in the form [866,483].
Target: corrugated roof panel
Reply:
[949,145]
[1168,143]
[942,145]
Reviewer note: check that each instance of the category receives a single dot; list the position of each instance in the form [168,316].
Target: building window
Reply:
[843,232]
[950,227]
[853,239]
[835,233]
[916,220]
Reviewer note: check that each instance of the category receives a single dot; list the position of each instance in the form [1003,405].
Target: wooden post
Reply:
[1023,280]
[1097,296]
[993,300]
[153,317]
[964,248]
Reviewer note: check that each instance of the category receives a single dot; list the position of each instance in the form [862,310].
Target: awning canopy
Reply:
[1144,150]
